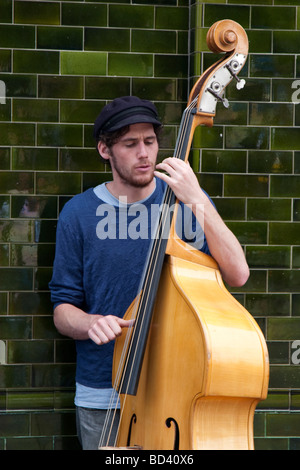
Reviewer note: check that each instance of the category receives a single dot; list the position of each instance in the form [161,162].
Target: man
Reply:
[98,264]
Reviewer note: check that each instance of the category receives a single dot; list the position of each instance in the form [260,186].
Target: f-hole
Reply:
[169,422]
[133,420]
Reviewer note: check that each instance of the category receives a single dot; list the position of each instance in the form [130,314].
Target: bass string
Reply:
[110,418]
[145,290]
[164,216]
[167,198]
[148,263]
[155,249]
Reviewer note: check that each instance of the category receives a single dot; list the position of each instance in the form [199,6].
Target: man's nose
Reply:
[142,150]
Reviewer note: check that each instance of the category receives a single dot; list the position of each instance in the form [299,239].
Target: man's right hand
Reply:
[107,328]
[75,323]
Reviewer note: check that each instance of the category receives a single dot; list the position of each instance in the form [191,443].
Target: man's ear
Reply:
[103,150]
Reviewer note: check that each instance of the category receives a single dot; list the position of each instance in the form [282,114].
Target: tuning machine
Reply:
[233,67]
[215,89]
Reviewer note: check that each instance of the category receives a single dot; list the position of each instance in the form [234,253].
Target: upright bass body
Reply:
[206,368]
[193,380]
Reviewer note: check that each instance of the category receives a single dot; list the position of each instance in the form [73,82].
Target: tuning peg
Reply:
[240,83]
[225,102]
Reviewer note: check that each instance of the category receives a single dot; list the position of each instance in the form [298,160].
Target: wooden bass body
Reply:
[203,365]
[206,370]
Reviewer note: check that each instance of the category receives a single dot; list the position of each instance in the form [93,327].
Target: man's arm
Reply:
[75,323]
[223,245]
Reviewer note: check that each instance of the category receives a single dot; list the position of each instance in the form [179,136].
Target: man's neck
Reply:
[130,193]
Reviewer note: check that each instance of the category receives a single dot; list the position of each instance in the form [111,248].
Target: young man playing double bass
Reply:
[99,261]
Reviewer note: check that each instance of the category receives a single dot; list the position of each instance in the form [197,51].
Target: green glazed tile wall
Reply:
[60,62]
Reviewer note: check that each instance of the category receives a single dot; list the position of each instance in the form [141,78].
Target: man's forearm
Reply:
[72,321]
[75,323]
[223,245]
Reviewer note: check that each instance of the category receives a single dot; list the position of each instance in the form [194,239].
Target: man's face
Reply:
[133,157]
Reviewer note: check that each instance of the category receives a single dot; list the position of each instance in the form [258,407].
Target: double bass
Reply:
[194,366]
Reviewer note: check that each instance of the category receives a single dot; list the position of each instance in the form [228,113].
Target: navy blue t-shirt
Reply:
[101,250]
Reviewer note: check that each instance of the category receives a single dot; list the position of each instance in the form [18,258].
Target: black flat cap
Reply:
[123,112]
